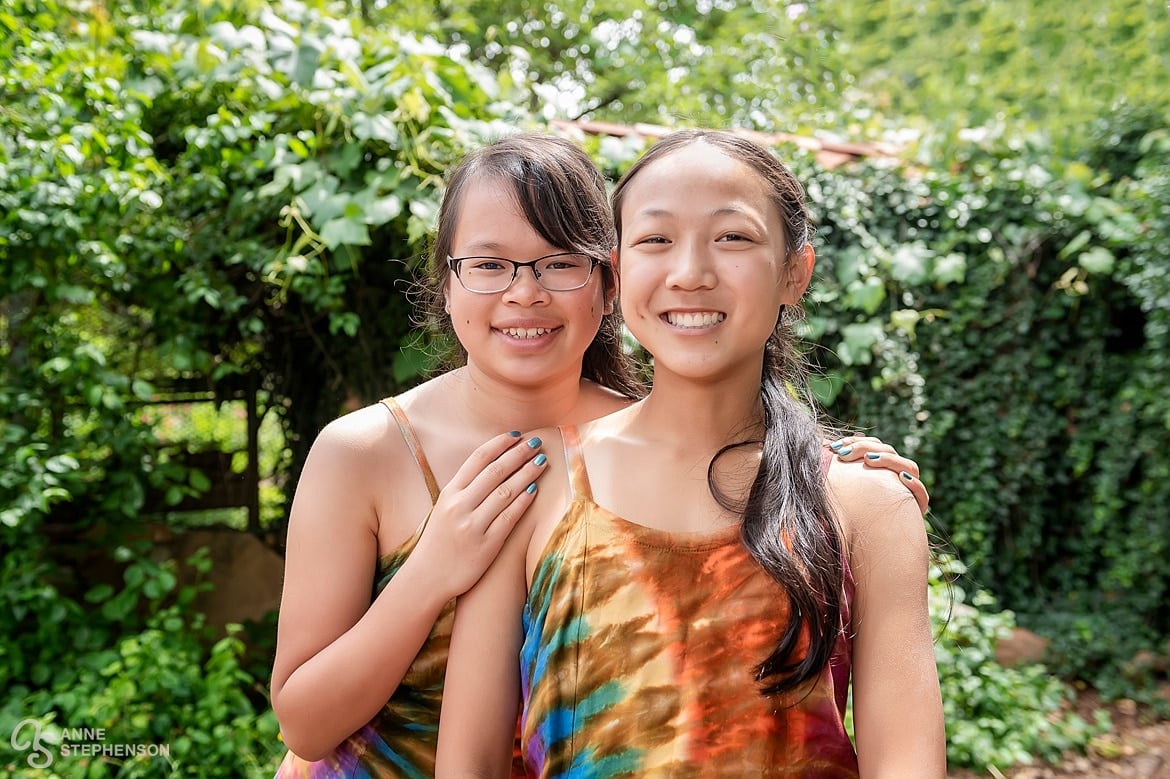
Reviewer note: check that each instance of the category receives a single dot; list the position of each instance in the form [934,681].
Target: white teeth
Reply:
[694,319]
[525,332]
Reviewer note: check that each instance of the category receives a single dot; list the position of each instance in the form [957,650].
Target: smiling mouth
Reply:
[694,319]
[525,332]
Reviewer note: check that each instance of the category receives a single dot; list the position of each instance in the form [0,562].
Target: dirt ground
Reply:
[1137,747]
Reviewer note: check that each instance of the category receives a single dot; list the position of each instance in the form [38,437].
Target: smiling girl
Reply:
[659,613]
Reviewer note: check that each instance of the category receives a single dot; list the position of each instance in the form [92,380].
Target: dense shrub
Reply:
[1006,324]
[231,187]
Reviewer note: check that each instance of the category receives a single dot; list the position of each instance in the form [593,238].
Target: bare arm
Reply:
[481,695]
[339,658]
[897,705]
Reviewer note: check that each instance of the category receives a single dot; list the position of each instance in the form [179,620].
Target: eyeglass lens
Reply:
[556,272]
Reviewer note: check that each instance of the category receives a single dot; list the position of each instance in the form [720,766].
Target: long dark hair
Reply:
[788,525]
[563,196]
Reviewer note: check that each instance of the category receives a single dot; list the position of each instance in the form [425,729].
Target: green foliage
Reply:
[830,66]
[1048,65]
[996,717]
[227,187]
[685,62]
[1004,322]
[134,663]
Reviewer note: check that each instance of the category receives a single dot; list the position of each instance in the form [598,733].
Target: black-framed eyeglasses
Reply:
[560,272]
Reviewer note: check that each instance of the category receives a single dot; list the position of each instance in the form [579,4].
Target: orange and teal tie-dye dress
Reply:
[400,740]
[639,653]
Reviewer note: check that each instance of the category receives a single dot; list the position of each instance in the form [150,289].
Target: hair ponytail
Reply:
[788,525]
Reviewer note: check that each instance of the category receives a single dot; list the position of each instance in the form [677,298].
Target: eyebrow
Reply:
[724,211]
[477,248]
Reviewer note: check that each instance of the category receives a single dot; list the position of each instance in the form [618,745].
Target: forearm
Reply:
[341,688]
[481,695]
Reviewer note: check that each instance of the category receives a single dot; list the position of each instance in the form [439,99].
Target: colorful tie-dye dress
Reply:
[638,657]
[400,740]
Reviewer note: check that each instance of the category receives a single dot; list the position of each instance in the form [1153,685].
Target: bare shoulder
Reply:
[873,507]
[354,438]
[345,463]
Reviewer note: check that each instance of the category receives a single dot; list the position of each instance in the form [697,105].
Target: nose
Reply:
[525,289]
[691,267]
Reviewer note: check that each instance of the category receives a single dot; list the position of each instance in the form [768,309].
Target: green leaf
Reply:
[909,264]
[867,295]
[143,390]
[1097,260]
[950,269]
[857,342]
[412,359]
[826,388]
[345,230]
[1076,244]
[199,481]
[99,593]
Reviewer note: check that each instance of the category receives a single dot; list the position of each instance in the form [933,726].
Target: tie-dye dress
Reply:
[639,650]
[400,740]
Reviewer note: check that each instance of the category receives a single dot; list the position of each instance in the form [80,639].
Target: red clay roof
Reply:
[829,153]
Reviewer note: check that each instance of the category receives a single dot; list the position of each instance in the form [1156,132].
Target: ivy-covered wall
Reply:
[1005,321]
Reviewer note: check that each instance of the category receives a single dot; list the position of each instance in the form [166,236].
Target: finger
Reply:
[848,439]
[500,512]
[855,448]
[497,472]
[503,481]
[858,445]
[917,489]
[907,471]
[486,453]
[891,461]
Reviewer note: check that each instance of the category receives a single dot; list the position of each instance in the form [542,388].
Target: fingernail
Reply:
[845,451]
[540,459]
[906,476]
[514,433]
[872,456]
[534,442]
[835,446]
[531,488]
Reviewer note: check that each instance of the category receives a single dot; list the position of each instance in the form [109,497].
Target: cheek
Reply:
[464,310]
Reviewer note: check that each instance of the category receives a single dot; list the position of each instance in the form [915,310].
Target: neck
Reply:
[704,415]
[490,403]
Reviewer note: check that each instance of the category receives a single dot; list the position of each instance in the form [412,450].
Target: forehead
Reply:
[489,221]
[487,194]
[696,176]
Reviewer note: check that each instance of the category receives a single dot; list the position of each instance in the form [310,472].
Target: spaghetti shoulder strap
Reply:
[412,441]
[575,462]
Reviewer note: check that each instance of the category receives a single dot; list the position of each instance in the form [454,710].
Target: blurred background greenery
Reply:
[210,213]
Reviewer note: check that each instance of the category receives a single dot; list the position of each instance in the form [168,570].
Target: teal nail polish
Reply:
[906,476]
[540,459]
[835,446]
[531,488]
[514,433]
[845,451]
[534,442]
[872,456]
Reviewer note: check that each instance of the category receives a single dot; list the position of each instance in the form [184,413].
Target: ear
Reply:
[612,294]
[799,270]
[447,298]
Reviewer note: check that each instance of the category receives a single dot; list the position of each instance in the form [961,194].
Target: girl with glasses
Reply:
[402,505]
[696,585]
